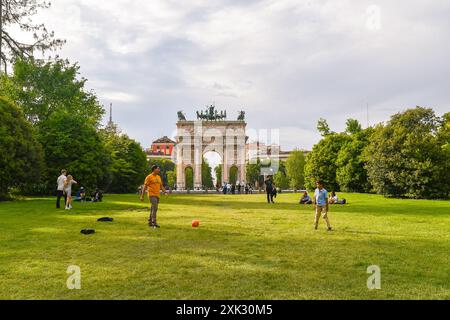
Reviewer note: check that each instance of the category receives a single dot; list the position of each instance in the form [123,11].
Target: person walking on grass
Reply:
[321,201]
[68,191]
[153,184]
[60,189]
[269,189]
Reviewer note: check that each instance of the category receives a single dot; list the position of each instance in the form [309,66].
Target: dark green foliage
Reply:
[171,178]
[207,180]
[129,163]
[233,177]
[72,143]
[253,172]
[408,156]
[295,169]
[21,155]
[218,173]
[42,88]
[321,163]
[353,126]
[323,127]
[165,165]
[351,173]
[189,176]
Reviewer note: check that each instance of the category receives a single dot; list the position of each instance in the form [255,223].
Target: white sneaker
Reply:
[70,206]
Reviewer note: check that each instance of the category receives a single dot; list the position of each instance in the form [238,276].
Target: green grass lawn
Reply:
[244,249]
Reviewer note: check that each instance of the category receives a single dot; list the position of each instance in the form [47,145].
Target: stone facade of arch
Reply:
[195,138]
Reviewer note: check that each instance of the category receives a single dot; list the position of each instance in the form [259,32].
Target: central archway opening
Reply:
[212,170]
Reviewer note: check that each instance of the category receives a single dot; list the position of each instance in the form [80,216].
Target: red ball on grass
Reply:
[195,224]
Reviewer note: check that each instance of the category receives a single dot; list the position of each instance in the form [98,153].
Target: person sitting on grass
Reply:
[306,199]
[81,195]
[335,200]
[97,196]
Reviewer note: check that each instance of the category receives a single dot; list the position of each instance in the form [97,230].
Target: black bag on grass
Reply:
[106,219]
[88,231]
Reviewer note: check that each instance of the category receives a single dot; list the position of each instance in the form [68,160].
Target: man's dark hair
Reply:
[154,168]
[320,182]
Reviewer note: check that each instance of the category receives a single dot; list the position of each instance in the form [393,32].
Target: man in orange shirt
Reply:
[153,184]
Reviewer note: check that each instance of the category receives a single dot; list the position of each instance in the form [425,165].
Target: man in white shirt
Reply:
[60,191]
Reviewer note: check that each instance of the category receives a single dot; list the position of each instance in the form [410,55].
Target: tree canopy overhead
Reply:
[43,87]
[18,14]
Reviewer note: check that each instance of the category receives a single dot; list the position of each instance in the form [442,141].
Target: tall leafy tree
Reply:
[407,157]
[444,133]
[321,163]
[44,87]
[165,165]
[74,144]
[323,127]
[253,172]
[233,175]
[171,178]
[218,173]
[353,126]
[351,173]
[295,169]
[21,155]
[16,15]
[189,176]
[129,162]
[207,179]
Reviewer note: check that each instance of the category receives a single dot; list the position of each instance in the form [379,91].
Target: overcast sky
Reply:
[285,62]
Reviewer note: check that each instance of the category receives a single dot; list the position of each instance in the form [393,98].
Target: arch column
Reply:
[181,180]
[242,175]
[225,173]
[198,168]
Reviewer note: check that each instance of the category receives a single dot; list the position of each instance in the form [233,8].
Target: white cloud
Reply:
[287,63]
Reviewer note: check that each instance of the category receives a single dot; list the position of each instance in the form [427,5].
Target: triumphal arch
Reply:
[210,132]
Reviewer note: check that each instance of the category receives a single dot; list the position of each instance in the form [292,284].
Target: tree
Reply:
[74,144]
[253,172]
[17,15]
[321,163]
[353,126]
[21,155]
[280,178]
[42,88]
[171,178]
[444,133]
[165,165]
[233,174]
[207,180]
[351,173]
[407,157]
[129,162]
[218,172]
[189,176]
[323,127]
[295,167]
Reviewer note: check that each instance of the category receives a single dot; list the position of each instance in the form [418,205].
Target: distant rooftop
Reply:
[164,139]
